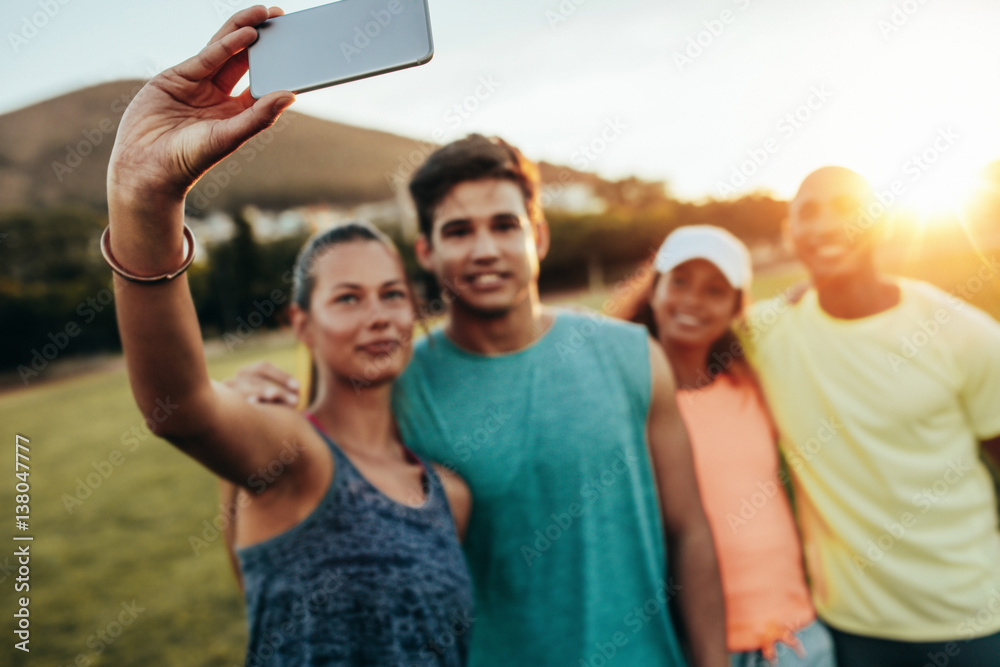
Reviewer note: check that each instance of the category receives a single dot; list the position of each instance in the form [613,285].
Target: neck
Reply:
[857,294]
[357,418]
[689,363]
[511,331]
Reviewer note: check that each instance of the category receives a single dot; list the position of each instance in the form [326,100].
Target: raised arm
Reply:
[181,123]
[690,546]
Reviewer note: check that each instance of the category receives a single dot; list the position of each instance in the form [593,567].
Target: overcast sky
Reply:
[686,92]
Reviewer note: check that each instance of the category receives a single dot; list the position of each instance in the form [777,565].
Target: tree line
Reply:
[57,300]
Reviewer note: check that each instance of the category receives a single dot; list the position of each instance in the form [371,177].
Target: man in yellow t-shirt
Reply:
[884,391]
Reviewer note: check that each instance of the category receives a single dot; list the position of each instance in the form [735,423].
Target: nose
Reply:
[484,247]
[689,298]
[825,226]
[378,315]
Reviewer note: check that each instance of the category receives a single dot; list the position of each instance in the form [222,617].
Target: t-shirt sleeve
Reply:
[979,345]
[760,318]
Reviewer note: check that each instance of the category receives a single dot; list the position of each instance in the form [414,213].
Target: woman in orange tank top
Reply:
[689,301]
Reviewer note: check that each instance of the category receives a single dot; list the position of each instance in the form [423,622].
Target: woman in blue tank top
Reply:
[348,549]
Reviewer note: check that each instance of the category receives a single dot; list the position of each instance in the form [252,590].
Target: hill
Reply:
[56,152]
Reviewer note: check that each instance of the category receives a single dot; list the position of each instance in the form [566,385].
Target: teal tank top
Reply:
[565,542]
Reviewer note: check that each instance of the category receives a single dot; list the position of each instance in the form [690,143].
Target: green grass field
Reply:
[127,538]
[122,537]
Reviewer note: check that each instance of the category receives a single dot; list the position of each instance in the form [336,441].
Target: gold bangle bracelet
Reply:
[163,277]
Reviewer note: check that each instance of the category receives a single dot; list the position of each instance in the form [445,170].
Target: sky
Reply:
[716,98]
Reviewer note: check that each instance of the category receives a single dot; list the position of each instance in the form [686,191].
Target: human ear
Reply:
[424,253]
[300,324]
[542,238]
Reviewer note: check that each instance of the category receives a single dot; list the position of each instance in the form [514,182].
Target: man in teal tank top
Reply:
[565,427]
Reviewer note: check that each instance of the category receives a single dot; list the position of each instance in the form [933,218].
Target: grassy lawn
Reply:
[108,534]
[124,536]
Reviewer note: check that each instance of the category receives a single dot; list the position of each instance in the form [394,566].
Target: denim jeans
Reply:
[817,645]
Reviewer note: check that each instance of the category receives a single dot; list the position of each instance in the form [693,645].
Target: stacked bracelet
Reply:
[163,277]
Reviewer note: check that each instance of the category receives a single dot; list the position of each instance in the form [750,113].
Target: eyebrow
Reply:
[496,217]
[455,222]
[356,286]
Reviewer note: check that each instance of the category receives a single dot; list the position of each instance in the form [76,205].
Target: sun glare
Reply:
[941,194]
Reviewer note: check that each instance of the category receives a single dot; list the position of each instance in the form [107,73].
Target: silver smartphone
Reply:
[339,42]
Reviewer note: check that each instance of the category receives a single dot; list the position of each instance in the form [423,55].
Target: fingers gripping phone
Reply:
[339,42]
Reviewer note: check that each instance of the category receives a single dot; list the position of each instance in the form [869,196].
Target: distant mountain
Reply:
[57,151]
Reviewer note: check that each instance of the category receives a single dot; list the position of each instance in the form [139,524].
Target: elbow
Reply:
[172,418]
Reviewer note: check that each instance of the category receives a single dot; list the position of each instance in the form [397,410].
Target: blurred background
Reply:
[643,115]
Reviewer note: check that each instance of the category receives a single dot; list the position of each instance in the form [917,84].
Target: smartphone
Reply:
[339,42]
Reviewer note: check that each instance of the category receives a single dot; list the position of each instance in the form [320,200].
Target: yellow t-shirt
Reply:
[880,420]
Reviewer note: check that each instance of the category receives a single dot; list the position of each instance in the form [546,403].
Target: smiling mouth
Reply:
[687,320]
[486,279]
[830,251]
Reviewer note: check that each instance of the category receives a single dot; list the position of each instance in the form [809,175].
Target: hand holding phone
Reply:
[185,119]
[339,42]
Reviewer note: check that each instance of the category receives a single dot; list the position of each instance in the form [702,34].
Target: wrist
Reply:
[127,190]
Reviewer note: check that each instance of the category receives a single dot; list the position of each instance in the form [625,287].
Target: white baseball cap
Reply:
[707,242]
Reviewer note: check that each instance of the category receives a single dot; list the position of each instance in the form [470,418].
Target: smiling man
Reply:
[885,391]
[565,427]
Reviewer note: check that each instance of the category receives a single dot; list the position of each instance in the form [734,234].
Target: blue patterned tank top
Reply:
[363,580]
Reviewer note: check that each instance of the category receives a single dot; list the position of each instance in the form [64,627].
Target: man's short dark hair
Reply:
[473,158]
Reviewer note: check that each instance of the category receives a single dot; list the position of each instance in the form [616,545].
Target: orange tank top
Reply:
[759,552]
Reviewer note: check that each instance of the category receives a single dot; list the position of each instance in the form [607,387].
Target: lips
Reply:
[687,320]
[832,251]
[387,346]
[486,279]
